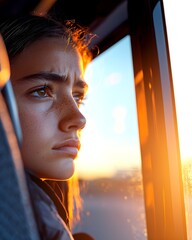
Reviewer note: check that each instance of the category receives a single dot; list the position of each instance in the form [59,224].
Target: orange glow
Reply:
[43,7]
[74,200]
[139,77]
[149,195]
[4,64]
[142,114]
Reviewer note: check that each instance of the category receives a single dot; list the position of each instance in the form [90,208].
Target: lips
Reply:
[69,147]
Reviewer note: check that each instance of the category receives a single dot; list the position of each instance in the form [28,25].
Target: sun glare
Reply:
[179,31]
[178,20]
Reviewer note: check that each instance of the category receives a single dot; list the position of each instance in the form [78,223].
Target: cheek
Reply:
[35,127]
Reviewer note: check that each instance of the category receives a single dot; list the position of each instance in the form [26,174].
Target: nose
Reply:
[71,119]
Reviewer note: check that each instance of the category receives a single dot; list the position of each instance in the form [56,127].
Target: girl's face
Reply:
[48,83]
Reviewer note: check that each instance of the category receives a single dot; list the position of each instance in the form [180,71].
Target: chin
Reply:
[58,177]
[64,177]
[65,174]
[59,172]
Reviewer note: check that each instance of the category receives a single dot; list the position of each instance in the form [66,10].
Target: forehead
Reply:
[48,54]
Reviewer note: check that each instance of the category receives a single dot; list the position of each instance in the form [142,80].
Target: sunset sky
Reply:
[110,138]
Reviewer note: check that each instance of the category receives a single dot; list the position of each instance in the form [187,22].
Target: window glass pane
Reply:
[178,20]
[109,163]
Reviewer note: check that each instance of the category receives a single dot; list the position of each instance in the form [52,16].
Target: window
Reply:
[109,163]
[180,38]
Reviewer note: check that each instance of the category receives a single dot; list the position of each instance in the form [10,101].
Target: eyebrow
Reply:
[53,77]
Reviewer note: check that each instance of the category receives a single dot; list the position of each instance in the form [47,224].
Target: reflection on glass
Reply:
[109,164]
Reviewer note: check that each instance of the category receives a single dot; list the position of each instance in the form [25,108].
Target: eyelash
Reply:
[46,89]
[79,99]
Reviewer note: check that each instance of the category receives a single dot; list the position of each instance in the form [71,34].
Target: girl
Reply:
[48,60]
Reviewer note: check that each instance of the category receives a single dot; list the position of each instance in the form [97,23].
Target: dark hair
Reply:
[20,32]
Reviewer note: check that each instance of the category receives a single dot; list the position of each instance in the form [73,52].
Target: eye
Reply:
[79,99]
[42,92]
